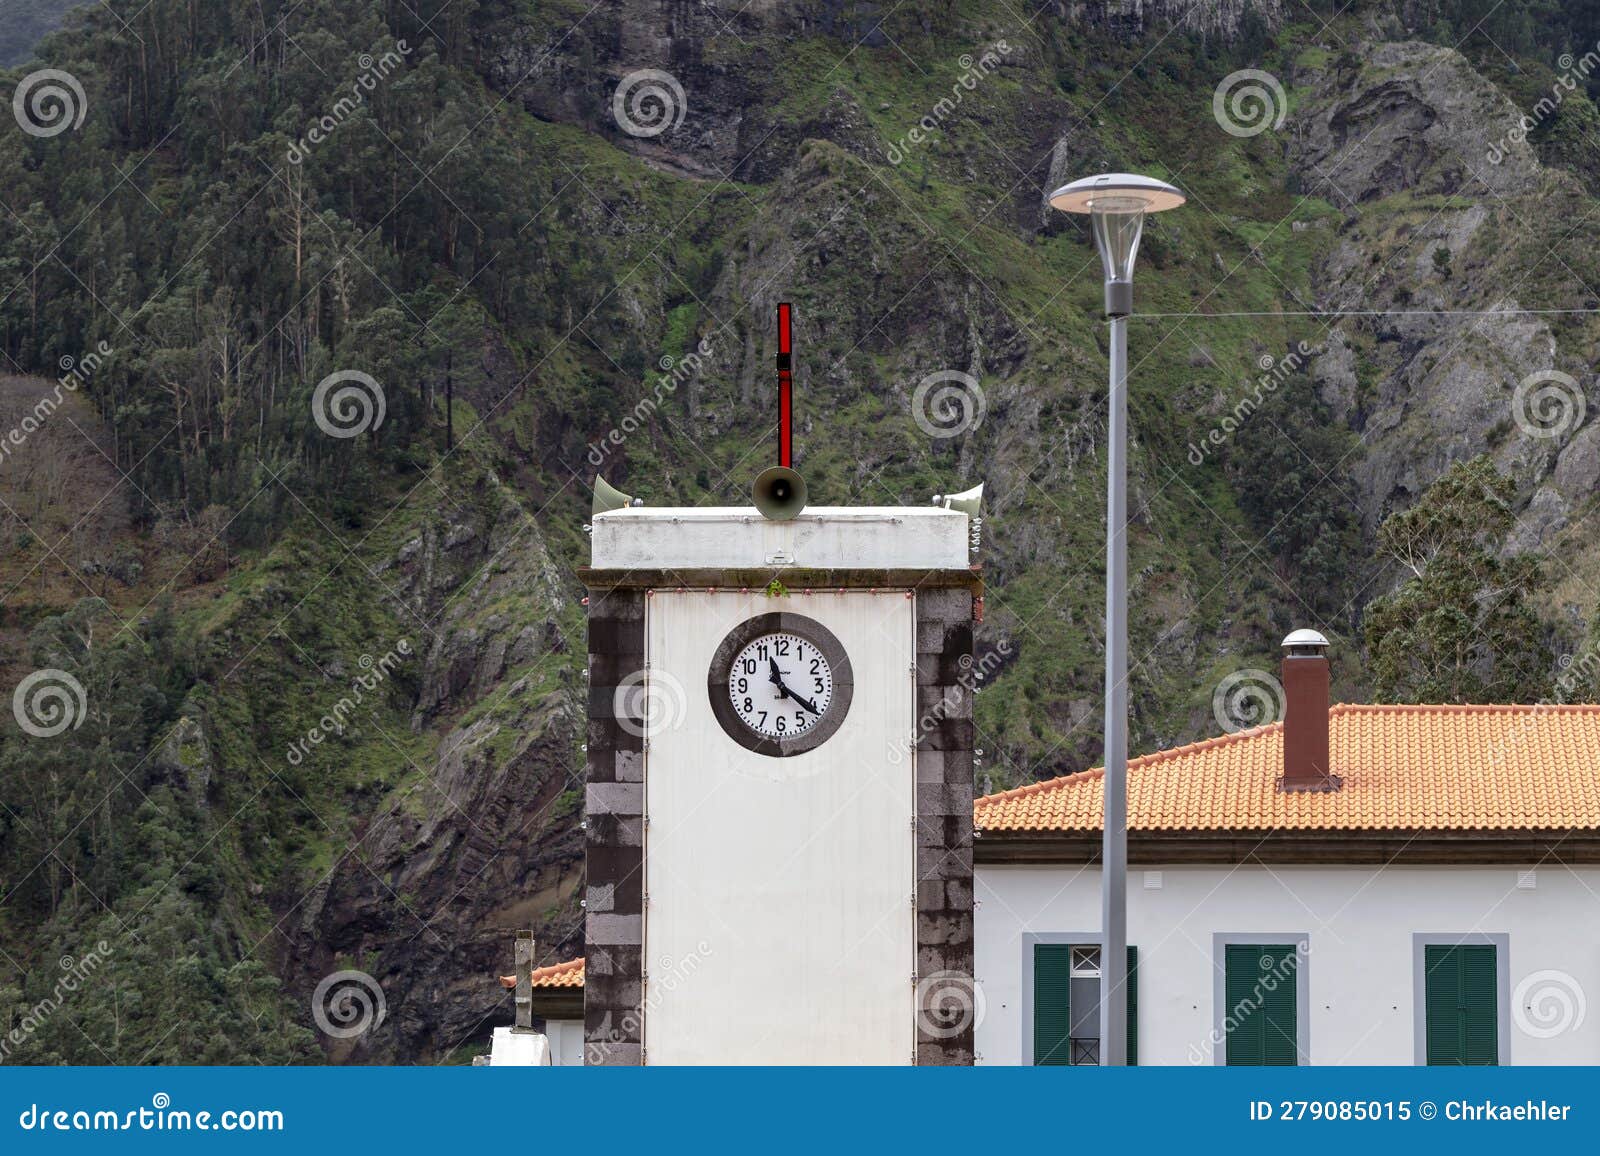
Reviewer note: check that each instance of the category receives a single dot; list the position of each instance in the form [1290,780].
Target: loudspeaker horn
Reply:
[608,497]
[780,493]
[967,501]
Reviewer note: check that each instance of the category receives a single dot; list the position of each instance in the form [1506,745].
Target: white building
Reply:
[1397,885]
[556,1007]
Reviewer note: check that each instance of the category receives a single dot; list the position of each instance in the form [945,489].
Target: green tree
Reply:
[1461,627]
[1287,465]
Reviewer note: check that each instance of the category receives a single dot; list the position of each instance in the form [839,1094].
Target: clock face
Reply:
[780,685]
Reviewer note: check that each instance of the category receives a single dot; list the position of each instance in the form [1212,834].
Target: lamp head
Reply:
[1116,193]
[1116,204]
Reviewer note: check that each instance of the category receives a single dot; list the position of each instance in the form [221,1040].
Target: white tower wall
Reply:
[779,921]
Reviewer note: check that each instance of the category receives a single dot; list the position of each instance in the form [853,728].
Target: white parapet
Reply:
[822,537]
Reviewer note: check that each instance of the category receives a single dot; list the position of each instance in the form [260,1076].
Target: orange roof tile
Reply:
[568,974]
[1405,768]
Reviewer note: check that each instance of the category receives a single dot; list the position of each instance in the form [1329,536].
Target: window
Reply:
[1066,1004]
[1461,1003]
[1260,1021]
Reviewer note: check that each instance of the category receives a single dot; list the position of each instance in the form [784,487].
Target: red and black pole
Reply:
[785,388]
[780,493]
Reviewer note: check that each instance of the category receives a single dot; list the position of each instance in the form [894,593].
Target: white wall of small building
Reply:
[566,1042]
[1360,924]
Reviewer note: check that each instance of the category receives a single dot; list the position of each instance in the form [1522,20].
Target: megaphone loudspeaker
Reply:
[608,497]
[780,493]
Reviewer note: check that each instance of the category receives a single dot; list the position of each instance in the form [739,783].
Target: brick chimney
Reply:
[1306,763]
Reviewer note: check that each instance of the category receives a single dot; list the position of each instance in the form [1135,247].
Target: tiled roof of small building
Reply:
[1405,768]
[555,975]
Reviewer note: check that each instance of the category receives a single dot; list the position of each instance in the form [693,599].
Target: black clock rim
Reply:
[826,642]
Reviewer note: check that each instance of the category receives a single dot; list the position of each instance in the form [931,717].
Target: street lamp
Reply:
[1116,204]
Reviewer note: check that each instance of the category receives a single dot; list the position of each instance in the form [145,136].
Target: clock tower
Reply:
[778,809]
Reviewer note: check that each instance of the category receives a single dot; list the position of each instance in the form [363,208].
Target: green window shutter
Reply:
[1133,1006]
[1461,1004]
[1442,1005]
[1480,985]
[1052,1015]
[1282,1030]
[1243,1030]
[1261,1016]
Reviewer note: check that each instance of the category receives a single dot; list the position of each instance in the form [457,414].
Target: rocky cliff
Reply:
[1446,207]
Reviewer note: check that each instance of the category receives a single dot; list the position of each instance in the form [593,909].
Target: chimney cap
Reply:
[1304,637]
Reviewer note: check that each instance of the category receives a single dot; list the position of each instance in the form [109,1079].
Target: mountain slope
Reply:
[463,213]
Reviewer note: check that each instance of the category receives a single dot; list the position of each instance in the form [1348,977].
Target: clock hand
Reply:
[777,677]
[810,706]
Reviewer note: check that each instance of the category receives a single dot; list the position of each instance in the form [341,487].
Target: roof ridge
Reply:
[1027,789]
[1168,755]
[1463,707]
[559,968]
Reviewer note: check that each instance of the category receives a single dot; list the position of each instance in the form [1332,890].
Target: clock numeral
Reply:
[782,647]
[749,666]
[744,686]
[749,706]
[783,723]
[816,665]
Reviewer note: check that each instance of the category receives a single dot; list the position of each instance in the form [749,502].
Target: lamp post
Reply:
[1116,204]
